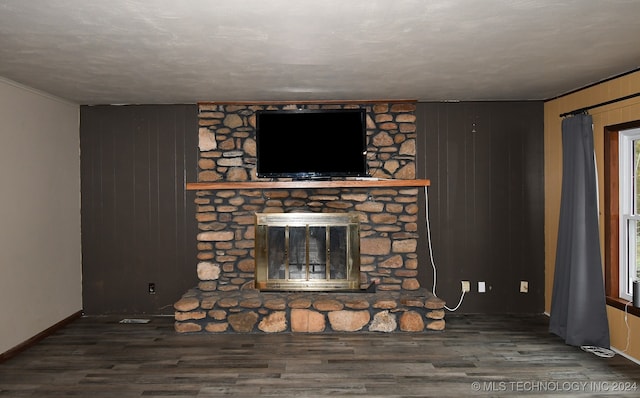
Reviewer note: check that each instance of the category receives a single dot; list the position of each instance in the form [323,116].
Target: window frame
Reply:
[612,216]
[629,213]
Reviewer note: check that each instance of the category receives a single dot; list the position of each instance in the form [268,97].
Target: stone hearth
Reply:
[252,311]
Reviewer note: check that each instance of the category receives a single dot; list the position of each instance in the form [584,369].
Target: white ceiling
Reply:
[185,51]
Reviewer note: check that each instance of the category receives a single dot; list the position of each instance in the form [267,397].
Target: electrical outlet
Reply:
[152,288]
[466,286]
[524,287]
[482,287]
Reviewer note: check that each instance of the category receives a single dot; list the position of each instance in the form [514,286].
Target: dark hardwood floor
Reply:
[477,355]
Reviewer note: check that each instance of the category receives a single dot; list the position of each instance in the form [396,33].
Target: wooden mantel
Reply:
[363,183]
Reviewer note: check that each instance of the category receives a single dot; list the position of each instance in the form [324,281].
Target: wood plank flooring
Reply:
[504,355]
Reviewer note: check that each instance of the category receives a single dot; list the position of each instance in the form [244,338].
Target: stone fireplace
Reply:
[232,203]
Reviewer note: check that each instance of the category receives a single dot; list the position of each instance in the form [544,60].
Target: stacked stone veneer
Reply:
[225,299]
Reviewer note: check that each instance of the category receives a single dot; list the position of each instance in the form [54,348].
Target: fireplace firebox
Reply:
[307,251]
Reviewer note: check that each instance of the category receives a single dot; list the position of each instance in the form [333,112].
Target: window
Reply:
[622,212]
[629,202]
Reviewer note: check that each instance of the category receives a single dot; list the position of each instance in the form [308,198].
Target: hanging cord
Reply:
[433,264]
[626,322]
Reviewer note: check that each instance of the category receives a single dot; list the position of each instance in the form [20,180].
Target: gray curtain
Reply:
[578,305]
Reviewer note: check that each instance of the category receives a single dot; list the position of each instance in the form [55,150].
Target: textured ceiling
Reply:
[172,51]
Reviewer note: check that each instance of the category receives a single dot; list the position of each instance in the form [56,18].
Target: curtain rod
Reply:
[585,109]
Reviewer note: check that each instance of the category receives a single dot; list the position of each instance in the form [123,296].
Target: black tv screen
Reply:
[307,144]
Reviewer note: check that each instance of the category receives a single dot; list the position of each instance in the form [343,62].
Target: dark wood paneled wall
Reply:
[138,221]
[486,202]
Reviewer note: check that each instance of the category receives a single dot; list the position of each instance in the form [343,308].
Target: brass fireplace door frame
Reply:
[263,221]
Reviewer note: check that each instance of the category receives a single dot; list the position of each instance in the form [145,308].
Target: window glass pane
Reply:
[634,271]
[636,176]
[633,254]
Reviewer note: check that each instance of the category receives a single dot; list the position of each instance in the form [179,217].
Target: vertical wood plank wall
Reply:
[138,221]
[486,202]
[621,326]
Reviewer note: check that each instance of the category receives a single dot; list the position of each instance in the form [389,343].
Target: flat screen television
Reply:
[311,144]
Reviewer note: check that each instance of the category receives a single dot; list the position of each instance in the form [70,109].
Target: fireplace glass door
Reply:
[307,251]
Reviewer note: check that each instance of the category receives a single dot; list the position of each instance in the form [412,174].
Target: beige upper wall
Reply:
[620,112]
[40,257]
